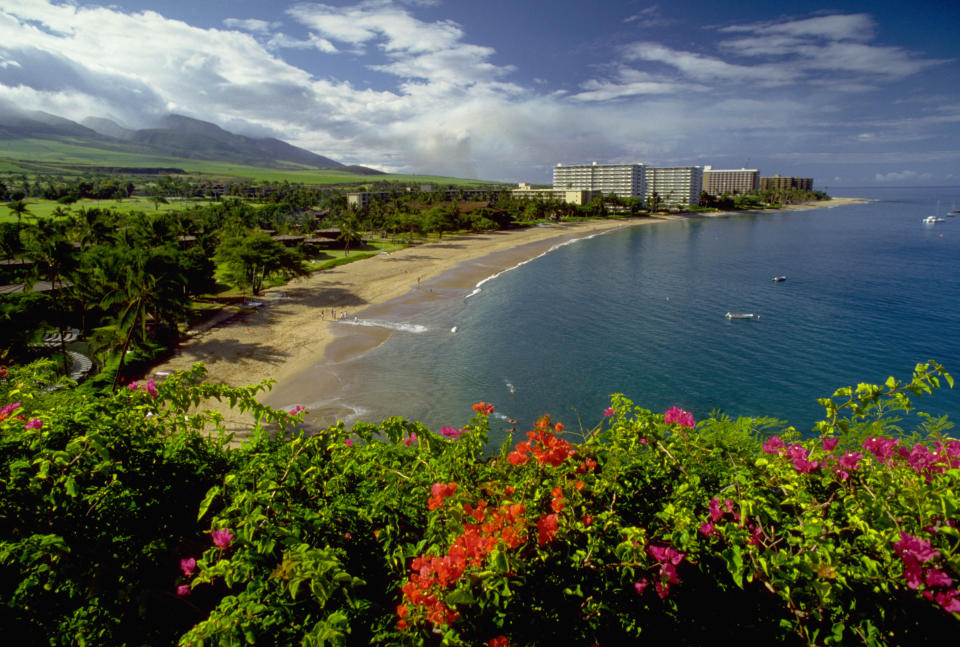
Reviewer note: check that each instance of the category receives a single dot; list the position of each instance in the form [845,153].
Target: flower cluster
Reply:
[914,552]
[483,408]
[545,447]
[150,387]
[887,451]
[675,415]
[298,410]
[221,538]
[439,492]
[668,558]
[6,410]
[796,452]
[483,532]
[451,433]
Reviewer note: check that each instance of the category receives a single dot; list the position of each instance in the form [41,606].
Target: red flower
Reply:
[483,408]
[499,641]
[547,528]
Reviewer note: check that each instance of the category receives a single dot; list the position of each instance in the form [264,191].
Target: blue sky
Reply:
[850,93]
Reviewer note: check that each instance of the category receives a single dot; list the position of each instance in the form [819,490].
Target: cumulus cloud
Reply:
[430,99]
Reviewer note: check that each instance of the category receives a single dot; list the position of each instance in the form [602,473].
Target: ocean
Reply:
[870,291]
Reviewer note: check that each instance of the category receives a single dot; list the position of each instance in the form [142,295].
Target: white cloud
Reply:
[833,27]
[251,24]
[443,104]
[311,42]
[902,176]
[391,28]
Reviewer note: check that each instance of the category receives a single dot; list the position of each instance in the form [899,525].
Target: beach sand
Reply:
[288,341]
[287,336]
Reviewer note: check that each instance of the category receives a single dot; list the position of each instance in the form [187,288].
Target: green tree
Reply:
[145,285]
[54,259]
[19,208]
[246,261]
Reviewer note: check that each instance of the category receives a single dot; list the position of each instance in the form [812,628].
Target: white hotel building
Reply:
[623,180]
[674,186]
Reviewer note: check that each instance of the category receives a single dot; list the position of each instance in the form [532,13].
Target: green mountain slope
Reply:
[41,137]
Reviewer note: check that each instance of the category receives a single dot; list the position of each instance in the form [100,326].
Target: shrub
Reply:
[124,521]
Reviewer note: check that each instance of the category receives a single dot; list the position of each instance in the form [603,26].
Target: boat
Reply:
[741,315]
[777,279]
[929,220]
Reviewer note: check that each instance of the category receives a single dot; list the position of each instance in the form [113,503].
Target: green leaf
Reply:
[207,500]
[734,558]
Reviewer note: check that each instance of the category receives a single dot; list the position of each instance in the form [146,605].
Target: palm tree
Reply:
[54,255]
[149,284]
[19,207]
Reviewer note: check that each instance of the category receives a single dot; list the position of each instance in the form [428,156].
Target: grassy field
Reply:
[45,208]
[39,156]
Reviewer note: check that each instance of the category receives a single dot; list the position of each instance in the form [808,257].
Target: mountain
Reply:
[108,127]
[174,136]
[19,124]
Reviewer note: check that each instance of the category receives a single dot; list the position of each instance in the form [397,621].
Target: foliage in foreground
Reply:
[122,522]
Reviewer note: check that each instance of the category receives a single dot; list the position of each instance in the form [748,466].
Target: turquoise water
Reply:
[870,291]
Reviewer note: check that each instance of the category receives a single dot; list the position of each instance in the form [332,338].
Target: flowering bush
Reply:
[125,521]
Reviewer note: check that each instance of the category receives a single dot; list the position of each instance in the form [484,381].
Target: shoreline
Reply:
[289,342]
[285,338]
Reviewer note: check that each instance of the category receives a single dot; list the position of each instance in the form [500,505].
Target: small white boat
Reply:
[777,279]
[740,315]
[929,220]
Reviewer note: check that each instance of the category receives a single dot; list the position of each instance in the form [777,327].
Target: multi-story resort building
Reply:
[720,181]
[623,180]
[570,196]
[778,183]
[674,186]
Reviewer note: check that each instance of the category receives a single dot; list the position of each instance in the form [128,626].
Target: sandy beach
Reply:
[293,332]
[288,335]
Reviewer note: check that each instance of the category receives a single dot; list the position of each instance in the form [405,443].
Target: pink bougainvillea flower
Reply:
[6,410]
[950,601]
[183,590]
[298,409]
[910,545]
[707,529]
[187,565]
[675,415]
[35,423]
[348,442]
[412,438]
[608,411]
[829,444]
[133,386]
[451,433]
[3,372]
[150,388]
[640,586]
[221,538]
[773,445]
[936,577]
